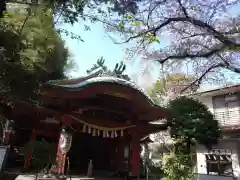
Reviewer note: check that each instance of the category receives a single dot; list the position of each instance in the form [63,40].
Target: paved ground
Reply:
[32,177]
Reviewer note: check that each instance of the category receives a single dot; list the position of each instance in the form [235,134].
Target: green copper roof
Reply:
[101,79]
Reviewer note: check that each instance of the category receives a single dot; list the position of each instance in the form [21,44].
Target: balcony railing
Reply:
[228,118]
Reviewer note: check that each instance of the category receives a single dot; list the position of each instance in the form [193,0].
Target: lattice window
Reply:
[219,162]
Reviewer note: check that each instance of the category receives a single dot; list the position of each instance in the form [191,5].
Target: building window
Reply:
[227,109]
[219,162]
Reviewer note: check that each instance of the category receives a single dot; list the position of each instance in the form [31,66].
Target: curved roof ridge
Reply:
[74,80]
[104,78]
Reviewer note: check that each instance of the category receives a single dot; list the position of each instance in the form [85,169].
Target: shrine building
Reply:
[107,118]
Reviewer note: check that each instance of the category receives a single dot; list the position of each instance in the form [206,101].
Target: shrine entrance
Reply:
[85,148]
[105,115]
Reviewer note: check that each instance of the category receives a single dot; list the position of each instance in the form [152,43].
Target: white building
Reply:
[222,162]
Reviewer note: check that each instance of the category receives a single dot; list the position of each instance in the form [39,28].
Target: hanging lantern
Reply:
[65,141]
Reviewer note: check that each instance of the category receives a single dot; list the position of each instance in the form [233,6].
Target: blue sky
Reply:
[97,43]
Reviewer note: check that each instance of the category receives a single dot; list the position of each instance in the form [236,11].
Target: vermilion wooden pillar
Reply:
[29,158]
[135,154]
[60,158]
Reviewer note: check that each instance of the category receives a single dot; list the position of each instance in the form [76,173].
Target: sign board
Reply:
[3,151]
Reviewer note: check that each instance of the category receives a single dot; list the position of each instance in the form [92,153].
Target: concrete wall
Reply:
[207,100]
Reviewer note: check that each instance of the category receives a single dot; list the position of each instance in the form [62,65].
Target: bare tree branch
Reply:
[204,34]
[229,66]
[198,55]
[152,9]
[182,8]
[230,32]
[199,23]
[218,35]
[214,11]
[198,80]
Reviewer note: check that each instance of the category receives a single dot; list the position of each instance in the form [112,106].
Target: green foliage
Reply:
[177,166]
[178,77]
[71,34]
[157,91]
[191,122]
[73,10]
[31,52]
[150,37]
[134,23]
[232,48]
[118,70]
[43,154]
[121,26]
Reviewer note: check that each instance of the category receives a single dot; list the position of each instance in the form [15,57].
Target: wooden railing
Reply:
[228,118]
